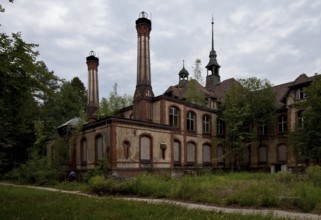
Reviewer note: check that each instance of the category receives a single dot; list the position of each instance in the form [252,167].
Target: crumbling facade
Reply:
[168,133]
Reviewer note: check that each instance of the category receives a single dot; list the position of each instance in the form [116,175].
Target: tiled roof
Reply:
[218,92]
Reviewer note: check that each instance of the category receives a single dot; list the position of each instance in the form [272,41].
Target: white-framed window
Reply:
[300,94]
[283,124]
[174,116]
[190,121]
[206,124]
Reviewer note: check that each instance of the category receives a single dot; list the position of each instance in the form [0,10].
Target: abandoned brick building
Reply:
[168,133]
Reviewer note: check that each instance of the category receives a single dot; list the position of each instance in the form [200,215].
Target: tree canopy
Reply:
[247,104]
[114,103]
[307,139]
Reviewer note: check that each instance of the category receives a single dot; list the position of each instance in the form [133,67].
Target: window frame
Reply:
[191,121]
[206,124]
[179,161]
[190,162]
[282,124]
[174,116]
[96,147]
[300,120]
[300,94]
[209,162]
[220,128]
[83,152]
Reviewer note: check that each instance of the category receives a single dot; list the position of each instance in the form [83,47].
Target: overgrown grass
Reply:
[24,203]
[281,190]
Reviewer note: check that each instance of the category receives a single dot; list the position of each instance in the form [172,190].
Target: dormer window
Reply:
[300,94]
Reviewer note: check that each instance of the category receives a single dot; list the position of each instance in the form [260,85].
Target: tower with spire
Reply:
[93,96]
[213,77]
[142,106]
[183,76]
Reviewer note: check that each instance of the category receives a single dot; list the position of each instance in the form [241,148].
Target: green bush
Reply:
[308,197]
[101,169]
[314,175]
[35,171]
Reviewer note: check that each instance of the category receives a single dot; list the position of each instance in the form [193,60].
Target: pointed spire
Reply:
[212,32]
[213,76]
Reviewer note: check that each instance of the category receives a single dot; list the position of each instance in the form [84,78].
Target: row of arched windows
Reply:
[174,115]
[282,154]
[99,150]
[191,153]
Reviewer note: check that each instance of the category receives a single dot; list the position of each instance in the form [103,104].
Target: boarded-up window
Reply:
[220,154]
[145,149]
[126,149]
[246,155]
[84,151]
[177,155]
[99,147]
[190,153]
[206,153]
[262,154]
[282,151]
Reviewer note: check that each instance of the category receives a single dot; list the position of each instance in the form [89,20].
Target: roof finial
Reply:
[183,63]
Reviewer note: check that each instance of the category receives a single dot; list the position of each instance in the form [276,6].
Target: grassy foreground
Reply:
[25,203]
[281,190]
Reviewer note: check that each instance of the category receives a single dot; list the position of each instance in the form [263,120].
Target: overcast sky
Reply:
[273,39]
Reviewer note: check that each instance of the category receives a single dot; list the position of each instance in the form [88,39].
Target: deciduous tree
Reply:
[307,139]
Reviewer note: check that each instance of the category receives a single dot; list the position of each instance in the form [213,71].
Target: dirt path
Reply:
[277,213]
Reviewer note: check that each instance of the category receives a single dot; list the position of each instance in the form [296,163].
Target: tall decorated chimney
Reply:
[142,109]
[93,96]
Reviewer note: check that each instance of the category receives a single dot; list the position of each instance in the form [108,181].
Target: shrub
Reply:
[314,175]
[309,197]
[101,169]
[284,177]
[97,185]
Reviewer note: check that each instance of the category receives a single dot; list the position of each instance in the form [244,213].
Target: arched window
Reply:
[99,147]
[173,117]
[83,151]
[145,149]
[282,153]
[177,153]
[206,154]
[220,154]
[282,124]
[220,127]
[190,121]
[206,124]
[191,153]
[300,119]
[126,146]
[263,154]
